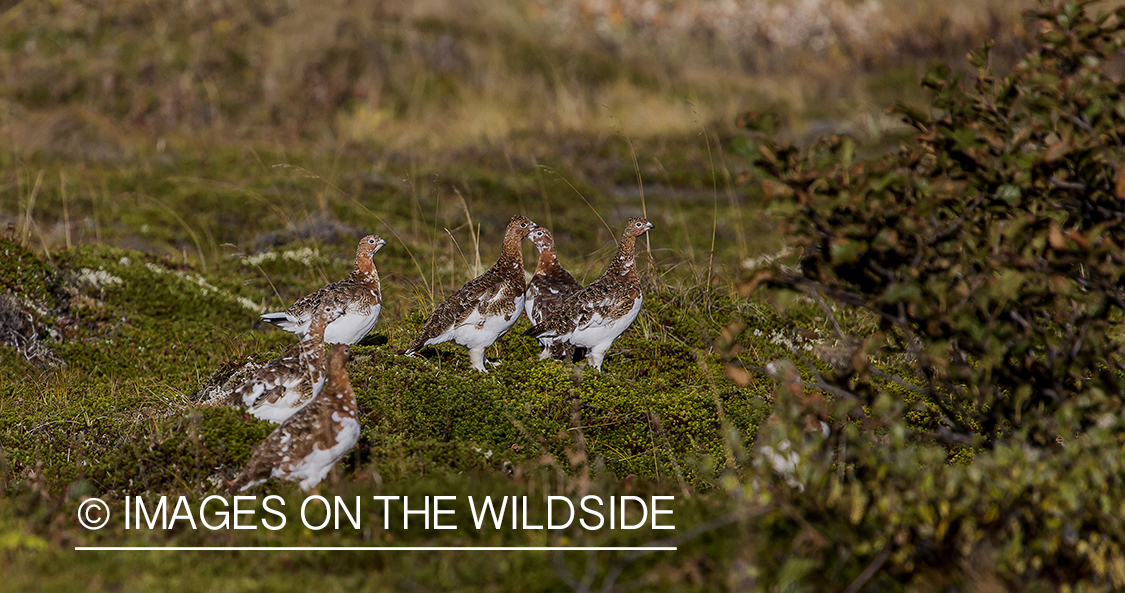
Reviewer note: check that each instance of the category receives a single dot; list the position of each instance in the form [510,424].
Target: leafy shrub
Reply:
[989,250]
[991,244]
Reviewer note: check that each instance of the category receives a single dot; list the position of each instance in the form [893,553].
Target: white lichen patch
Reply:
[259,258]
[206,287]
[306,256]
[98,278]
[216,481]
[249,304]
[790,341]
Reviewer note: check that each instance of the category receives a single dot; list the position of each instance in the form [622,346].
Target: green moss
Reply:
[26,275]
[182,453]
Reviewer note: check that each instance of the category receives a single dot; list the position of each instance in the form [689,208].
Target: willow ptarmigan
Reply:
[548,288]
[484,309]
[593,317]
[283,385]
[359,294]
[306,446]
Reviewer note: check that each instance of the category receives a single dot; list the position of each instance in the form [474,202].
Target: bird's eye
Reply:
[523,225]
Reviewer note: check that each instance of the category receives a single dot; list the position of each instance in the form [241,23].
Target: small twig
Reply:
[823,385]
[655,418]
[957,224]
[25,231]
[1067,184]
[564,573]
[831,316]
[1082,123]
[614,572]
[901,383]
[871,570]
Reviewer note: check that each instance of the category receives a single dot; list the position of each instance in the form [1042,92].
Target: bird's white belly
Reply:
[600,330]
[287,405]
[529,305]
[351,327]
[312,469]
[478,331]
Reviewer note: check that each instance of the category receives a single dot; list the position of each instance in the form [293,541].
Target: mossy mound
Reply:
[653,412]
[145,332]
[27,276]
[33,298]
[147,316]
[189,452]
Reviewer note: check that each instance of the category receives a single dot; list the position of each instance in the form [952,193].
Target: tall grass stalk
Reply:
[641,188]
[25,226]
[682,215]
[187,227]
[587,202]
[261,271]
[715,209]
[474,234]
[405,245]
[454,244]
[735,206]
[65,208]
[433,260]
[543,193]
[96,209]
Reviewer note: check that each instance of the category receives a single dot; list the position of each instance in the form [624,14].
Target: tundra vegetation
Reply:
[878,351]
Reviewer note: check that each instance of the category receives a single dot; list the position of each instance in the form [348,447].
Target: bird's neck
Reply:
[547,261]
[338,382]
[511,258]
[364,269]
[624,261]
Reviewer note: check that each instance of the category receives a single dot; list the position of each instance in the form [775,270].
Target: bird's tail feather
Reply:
[280,319]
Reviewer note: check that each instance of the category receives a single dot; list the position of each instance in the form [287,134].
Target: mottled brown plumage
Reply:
[281,386]
[359,295]
[593,317]
[306,446]
[547,290]
[478,313]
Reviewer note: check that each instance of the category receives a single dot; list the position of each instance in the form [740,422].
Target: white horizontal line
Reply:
[375,549]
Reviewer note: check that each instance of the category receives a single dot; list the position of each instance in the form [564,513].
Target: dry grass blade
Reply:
[405,245]
[543,193]
[24,233]
[187,227]
[715,201]
[474,234]
[66,208]
[587,202]
[641,188]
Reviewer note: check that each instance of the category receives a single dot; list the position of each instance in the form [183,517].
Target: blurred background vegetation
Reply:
[439,75]
[171,169]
